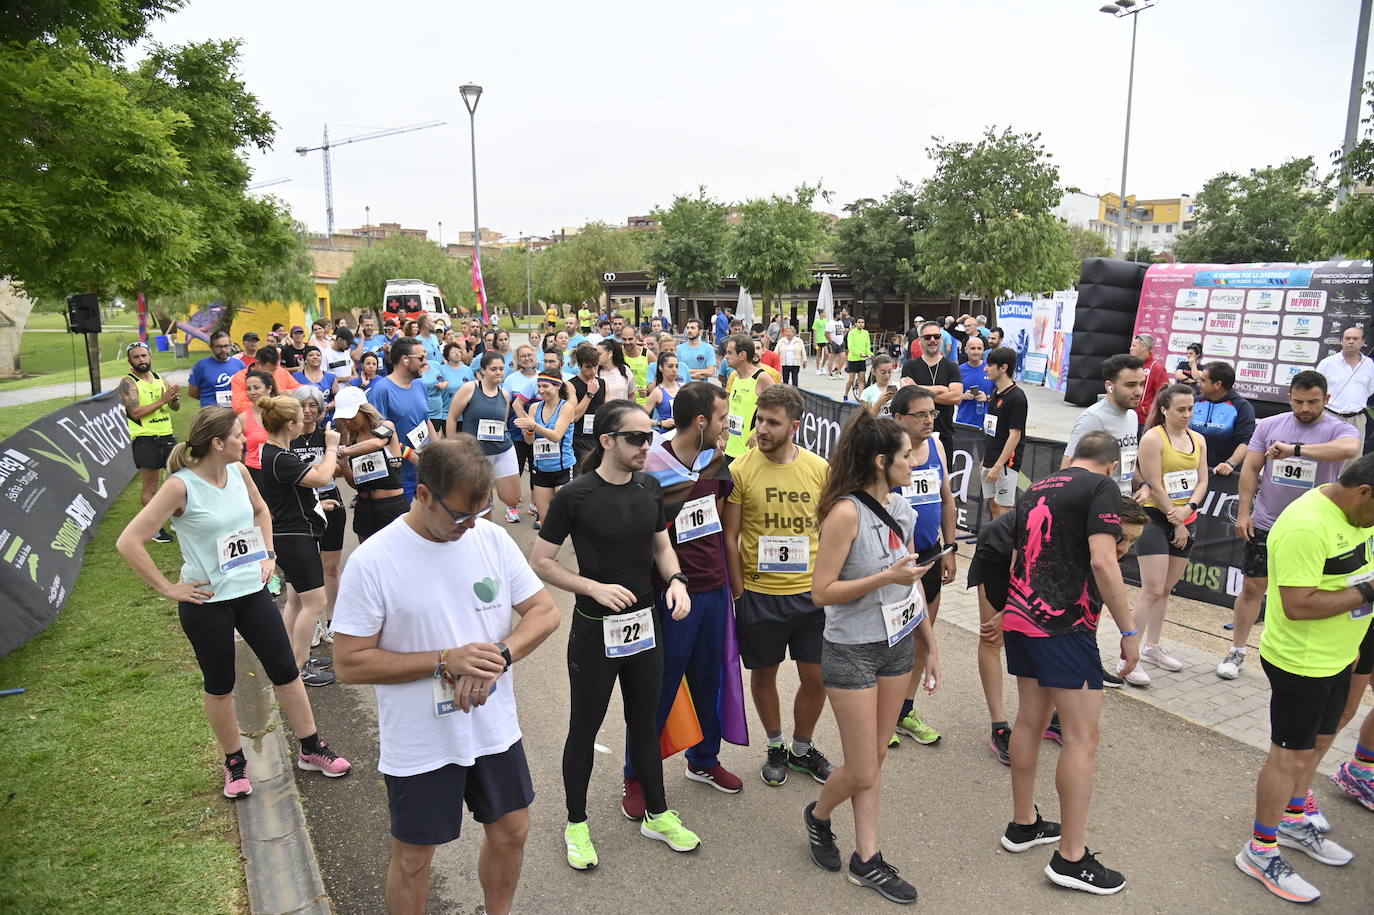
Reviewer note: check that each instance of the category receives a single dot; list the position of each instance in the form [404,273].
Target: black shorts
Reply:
[1364,664]
[549,479]
[524,454]
[837,348]
[855,366]
[1301,708]
[932,581]
[993,574]
[770,627]
[335,523]
[1255,563]
[860,666]
[151,451]
[1066,661]
[425,809]
[1154,539]
[371,515]
[298,558]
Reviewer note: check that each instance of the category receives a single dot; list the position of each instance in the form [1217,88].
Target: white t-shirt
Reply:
[834,331]
[426,596]
[340,364]
[792,352]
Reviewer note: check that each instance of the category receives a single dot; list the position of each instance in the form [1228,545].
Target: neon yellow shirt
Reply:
[859,343]
[1313,545]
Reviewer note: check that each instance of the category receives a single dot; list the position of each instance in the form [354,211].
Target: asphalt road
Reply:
[1173,803]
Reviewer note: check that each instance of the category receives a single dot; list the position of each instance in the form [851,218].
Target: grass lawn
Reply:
[12,419]
[110,778]
[55,358]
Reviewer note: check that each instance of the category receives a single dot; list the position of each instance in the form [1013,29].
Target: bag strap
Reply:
[874,506]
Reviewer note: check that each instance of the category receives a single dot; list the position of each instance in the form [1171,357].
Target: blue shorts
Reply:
[427,809]
[1057,661]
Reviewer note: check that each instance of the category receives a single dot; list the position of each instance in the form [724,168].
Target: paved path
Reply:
[77,390]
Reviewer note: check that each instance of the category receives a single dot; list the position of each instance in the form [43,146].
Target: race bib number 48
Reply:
[368,467]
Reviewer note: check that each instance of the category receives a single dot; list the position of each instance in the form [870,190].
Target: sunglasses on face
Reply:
[634,439]
[930,336]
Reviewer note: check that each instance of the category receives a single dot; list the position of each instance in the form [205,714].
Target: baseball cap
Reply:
[251,335]
[298,328]
[347,402]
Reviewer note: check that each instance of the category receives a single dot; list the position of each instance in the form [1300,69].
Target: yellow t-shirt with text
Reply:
[777,500]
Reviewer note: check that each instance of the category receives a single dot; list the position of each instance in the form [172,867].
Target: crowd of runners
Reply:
[707,538]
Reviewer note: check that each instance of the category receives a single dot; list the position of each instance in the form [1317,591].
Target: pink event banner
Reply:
[1270,321]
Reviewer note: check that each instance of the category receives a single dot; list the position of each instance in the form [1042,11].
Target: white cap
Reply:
[347,402]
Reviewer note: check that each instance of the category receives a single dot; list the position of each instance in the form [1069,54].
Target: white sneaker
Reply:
[1229,668]
[1156,655]
[1306,838]
[319,633]
[1136,677]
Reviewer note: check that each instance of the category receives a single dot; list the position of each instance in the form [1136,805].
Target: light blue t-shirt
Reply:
[701,356]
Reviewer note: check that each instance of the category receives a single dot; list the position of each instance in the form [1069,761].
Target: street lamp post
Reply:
[1352,116]
[367,221]
[1121,9]
[472,94]
[528,286]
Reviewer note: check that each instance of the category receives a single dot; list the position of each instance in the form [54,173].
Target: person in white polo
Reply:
[1350,379]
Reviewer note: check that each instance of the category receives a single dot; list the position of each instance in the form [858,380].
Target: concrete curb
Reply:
[279,863]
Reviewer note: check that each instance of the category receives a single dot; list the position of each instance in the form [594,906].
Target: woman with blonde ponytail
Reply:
[224,529]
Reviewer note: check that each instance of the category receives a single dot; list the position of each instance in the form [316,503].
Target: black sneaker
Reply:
[1000,744]
[824,851]
[1088,874]
[1019,837]
[162,536]
[877,874]
[774,771]
[1111,680]
[813,764]
[321,663]
[1054,731]
[313,676]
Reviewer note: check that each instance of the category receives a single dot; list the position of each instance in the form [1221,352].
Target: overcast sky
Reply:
[602,110]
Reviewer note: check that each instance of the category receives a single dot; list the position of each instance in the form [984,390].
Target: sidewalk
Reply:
[76,390]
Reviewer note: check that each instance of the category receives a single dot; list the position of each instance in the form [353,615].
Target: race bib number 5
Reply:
[784,554]
[241,548]
[628,633]
[1181,483]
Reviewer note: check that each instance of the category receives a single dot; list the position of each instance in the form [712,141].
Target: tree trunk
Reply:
[14,315]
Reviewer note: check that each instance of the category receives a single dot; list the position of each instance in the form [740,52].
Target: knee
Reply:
[1082,738]
[862,778]
[411,860]
[509,833]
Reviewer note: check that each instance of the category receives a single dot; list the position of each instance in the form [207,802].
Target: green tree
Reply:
[877,242]
[688,250]
[103,27]
[504,274]
[992,225]
[773,249]
[1084,243]
[1349,231]
[361,286]
[1243,219]
[1141,254]
[571,271]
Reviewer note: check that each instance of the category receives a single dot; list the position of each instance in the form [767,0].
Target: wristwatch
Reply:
[1191,504]
[679,577]
[505,654]
[1366,591]
[1297,449]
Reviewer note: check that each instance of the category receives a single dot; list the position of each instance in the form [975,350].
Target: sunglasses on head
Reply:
[634,439]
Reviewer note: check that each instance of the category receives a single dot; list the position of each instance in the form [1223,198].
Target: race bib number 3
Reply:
[628,633]
[1180,484]
[241,548]
[901,617]
[491,430]
[368,467]
[784,554]
[1297,472]
[924,488]
[697,519]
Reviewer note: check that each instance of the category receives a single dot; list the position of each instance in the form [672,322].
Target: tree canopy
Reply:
[774,247]
[1260,216]
[362,285]
[878,243]
[688,250]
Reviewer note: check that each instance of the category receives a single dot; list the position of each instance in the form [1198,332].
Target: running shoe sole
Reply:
[909,733]
[804,771]
[234,797]
[311,767]
[648,833]
[1248,869]
[708,780]
[1009,845]
[1073,884]
[879,890]
[997,754]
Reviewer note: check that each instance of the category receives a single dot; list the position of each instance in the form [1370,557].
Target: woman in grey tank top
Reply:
[868,579]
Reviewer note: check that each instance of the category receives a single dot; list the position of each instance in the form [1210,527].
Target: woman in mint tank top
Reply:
[224,530]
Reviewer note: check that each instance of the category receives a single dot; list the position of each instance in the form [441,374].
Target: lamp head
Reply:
[472,94]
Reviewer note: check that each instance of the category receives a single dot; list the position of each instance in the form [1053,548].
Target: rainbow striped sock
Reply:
[1362,766]
[1295,812]
[1265,840]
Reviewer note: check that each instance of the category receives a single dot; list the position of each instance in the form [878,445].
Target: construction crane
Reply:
[268,183]
[326,146]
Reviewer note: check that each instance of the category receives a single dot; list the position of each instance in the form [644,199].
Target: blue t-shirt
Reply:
[439,401]
[1225,424]
[406,408]
[212,377]
[689,358]
[521,388]
[722,325]
[326,384]
[574,343]
[971,412]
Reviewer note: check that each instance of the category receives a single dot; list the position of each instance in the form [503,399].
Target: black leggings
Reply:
[790,373]
[210,627]
[524,454]
[591,676]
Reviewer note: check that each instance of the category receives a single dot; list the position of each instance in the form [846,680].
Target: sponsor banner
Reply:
[1213,573]
[1270,320]
[58,477]
[1015,317]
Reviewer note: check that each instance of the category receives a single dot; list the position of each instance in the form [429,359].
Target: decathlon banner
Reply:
[58,477]
[1270,321]
[1015,318]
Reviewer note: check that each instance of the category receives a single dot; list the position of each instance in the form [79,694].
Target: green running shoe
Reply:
[581,854]
[913,727]
[667,827]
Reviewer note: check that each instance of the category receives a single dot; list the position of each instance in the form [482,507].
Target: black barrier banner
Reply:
[1213,574]
[58,477]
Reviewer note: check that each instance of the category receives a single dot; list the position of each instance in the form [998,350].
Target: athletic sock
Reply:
[1362,765]
[234,759]
[1265,841]
[907,706]
[999,726]
[800,745]
[311,744]
[775,738]
[1294,813]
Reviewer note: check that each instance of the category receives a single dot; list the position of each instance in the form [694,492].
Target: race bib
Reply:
[784,554]
[588,420]
[628,633]
[1128,464]
[1181,483]
[419,436]
[924,488]
[990,424]
[1297,472]
[442,691]
[241,548]
[491,430]
[697,519]
[901,617]
[736,424]
[224,398]
[544,447]
[368,467]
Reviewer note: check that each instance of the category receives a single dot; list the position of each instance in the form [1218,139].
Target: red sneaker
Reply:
[718,777]
[632,799]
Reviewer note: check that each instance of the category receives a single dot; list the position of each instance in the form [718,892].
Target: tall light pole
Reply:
[1352,114]
[472,94]
[1121,9]
[367,221]
[528,286]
